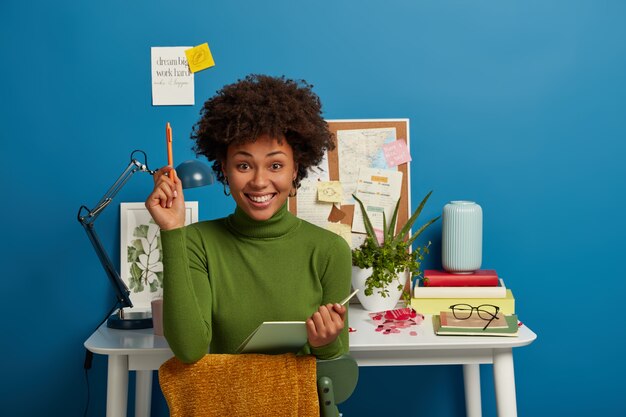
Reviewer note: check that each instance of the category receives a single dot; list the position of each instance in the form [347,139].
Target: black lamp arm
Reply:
[121,289]
[87,217]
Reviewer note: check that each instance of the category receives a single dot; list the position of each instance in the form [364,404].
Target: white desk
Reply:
[141,351]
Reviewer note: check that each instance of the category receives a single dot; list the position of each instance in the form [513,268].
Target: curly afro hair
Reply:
[263,105]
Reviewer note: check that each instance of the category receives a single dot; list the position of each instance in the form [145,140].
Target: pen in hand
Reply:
[345,300]
[168,140]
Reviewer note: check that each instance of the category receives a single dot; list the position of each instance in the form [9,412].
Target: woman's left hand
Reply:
[325,324]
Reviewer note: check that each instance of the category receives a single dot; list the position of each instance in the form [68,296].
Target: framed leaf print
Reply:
[141,255]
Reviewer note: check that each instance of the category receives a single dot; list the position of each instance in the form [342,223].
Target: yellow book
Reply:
[437,305]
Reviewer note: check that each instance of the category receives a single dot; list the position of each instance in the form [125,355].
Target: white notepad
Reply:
[275,337]
[279,336]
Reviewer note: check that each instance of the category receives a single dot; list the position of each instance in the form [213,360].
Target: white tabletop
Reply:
[108,341]
[365,338]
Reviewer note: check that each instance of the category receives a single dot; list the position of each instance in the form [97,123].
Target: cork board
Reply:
[402,133]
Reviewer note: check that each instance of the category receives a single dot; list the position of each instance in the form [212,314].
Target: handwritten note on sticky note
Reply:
[329,191]
[199,57]
[396,153]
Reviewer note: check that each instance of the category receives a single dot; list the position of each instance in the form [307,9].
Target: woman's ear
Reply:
[223,167]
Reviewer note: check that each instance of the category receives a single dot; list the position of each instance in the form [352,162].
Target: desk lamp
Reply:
[192,173]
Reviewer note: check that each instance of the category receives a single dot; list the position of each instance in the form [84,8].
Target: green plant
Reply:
[392,255]
[146,258]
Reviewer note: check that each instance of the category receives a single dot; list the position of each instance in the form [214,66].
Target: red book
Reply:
[480,278]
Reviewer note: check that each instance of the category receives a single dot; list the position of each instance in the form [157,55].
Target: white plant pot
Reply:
[376,302]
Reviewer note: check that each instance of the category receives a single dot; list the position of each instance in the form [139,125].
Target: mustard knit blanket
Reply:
[249,385]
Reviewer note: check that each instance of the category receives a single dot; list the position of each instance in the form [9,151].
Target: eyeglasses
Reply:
[486,312]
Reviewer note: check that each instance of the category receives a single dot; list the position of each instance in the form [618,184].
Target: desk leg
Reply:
[117,386]
[504,381]
[143,393]
[471,381]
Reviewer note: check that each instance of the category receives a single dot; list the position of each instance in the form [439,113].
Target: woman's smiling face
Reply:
[260,175]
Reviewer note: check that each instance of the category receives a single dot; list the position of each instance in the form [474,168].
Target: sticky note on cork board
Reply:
[396,153]
[329,191]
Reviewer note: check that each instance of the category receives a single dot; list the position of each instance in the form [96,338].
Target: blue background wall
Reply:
[518,105]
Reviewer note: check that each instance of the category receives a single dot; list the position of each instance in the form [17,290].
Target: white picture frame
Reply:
[141,258]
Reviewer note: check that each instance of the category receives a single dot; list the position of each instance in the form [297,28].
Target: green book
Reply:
[510,330]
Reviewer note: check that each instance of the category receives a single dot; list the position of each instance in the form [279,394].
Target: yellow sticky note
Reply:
[199,57]
[343,230]
[329,191]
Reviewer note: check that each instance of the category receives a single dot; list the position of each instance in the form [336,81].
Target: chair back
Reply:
[336,381]
[257,385]
[343,371]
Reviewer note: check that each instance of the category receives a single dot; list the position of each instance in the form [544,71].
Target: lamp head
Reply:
[193,173]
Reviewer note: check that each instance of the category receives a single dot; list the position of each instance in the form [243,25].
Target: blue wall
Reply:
[518,105]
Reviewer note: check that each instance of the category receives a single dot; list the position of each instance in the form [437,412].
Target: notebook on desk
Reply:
[510,330]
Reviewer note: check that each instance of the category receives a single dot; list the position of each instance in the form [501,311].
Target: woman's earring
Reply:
[226,191]
[294,184]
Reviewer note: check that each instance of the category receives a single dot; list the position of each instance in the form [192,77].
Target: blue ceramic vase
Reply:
[462,237]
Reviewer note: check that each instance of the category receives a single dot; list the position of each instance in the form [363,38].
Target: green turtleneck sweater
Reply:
[224,277]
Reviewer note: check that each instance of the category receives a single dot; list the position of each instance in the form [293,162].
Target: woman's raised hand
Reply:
[166,203]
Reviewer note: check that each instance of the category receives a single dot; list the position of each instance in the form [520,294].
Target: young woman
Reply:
[222,278]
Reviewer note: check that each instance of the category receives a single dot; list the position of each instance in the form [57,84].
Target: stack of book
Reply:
[445,324]
[438,290]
